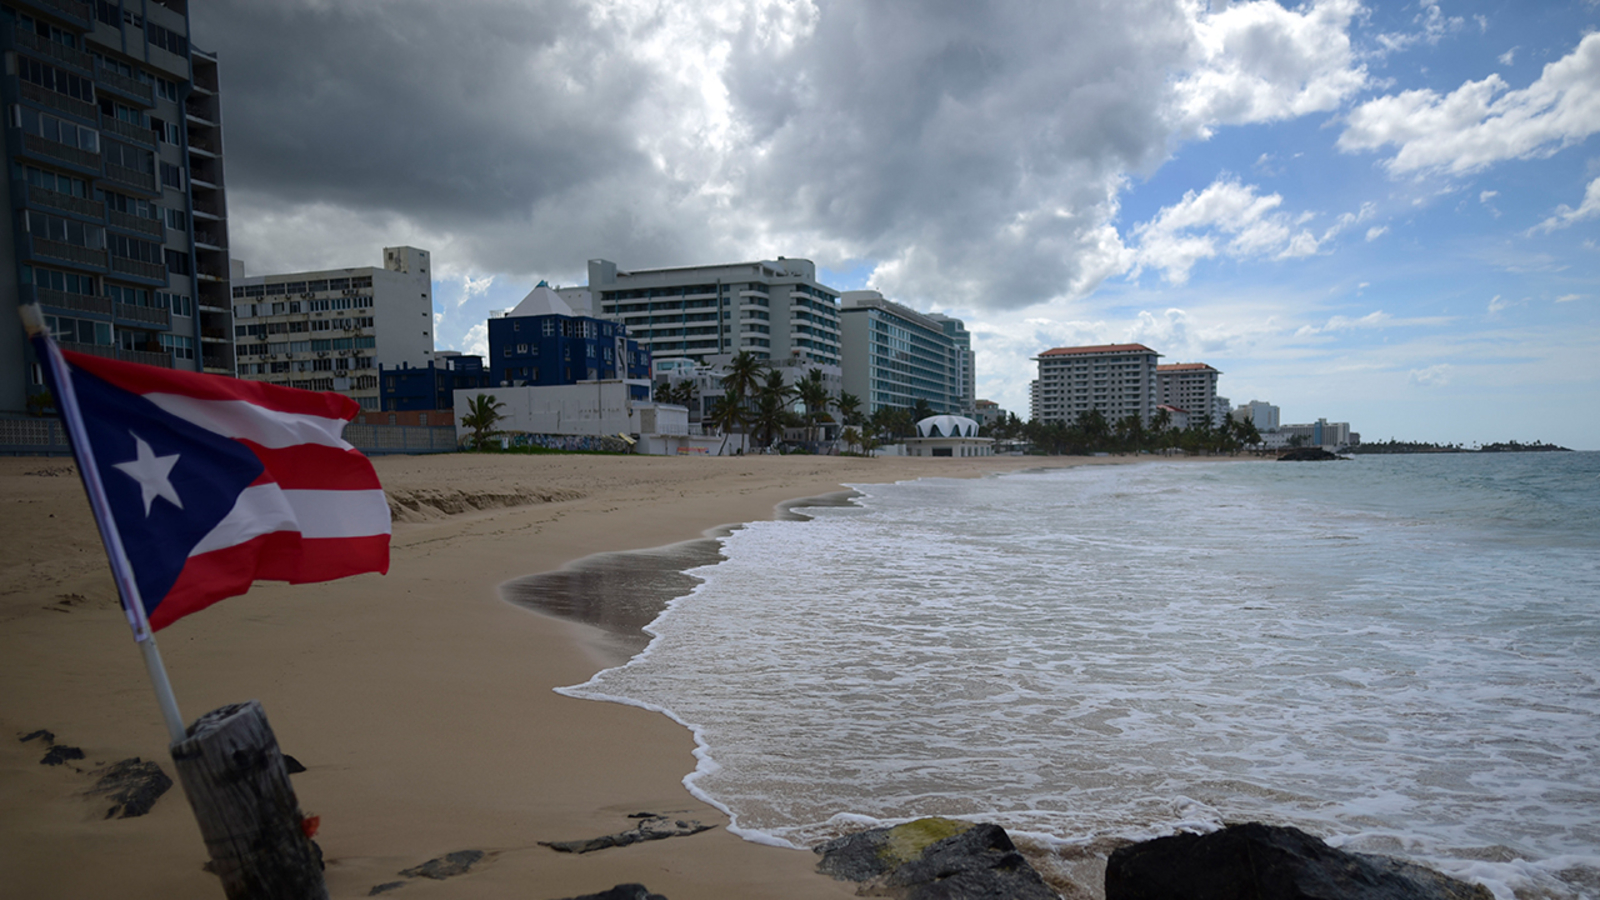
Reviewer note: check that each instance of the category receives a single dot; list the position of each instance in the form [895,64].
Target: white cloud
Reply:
[1483,122]
[476,340]
[1376,231]
[1508,57]
[1432,376]
[1259,62]
[474,287]
[1568,298]
[1486,196]
[1566,215]
[1226,219]
[1432,24]
[1374,319]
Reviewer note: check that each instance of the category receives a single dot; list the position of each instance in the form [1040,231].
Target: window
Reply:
[53,79]
[177,220]
[68,231]
[167,90]
[66,282]
[55,181]
[522,349]
[507,350]
[178,263]
[78,331]
[172,176]
[130,157]
[170,41]
[60,131]
[182,347]
[299,346]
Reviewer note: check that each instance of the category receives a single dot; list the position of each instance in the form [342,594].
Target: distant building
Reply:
[329,330]
[407,388]
[1260,413]
[987,412]
[1192,386]
[1119,380]
[543,343]
[602,411]
[895,356]
[1177,416]
[775,309]
[1320,433]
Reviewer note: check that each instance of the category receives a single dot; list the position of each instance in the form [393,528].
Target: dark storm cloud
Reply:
[973,152]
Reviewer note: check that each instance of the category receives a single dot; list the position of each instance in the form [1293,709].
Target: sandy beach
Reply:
[420,701]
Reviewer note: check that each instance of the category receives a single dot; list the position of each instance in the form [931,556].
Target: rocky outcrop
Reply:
[933,859]
[1307,454]
[1267,862]
[623,892]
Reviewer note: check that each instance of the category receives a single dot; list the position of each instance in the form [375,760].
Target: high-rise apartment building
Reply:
[775,309]
[895,356]
[1119,380]
[113,137]
[966,361]
[1191,387]
[329,330]
[1259,413]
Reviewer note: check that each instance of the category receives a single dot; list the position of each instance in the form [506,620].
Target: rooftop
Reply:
[1102,348]
[1186,367]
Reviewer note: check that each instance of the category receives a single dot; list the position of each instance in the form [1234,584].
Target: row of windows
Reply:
[291,307]
[323,345]
[53,79]
[55,129]
[301,287]
[339,364]
[75,283]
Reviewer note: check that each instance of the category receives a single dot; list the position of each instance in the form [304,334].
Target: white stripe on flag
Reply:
[240,419]
[266,508]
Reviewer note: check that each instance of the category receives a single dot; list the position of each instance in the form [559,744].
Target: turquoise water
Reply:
[1400,654]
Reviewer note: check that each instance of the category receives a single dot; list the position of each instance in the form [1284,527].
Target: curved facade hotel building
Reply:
[1119,380]
[775,309]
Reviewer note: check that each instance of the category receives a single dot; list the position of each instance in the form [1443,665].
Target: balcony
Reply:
[144,315]
[72,9]
[72,253]
[141,224]
[149,358]
[138,268]
[131,88]
[55,51]
[62,102]
[35,145]
[38,196]
[138,134]
[74,302]
[104,350]
[142,181]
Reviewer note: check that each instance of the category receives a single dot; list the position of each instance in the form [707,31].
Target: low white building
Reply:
[948,436]
[595,409]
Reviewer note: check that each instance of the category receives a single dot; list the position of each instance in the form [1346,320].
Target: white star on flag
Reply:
[153,474]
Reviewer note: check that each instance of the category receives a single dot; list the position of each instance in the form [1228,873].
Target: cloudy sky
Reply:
[1386,213]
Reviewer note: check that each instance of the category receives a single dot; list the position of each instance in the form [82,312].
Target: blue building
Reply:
[407,388]
[543,343]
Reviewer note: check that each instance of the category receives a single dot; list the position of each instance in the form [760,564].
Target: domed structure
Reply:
[948,436]
[947,426]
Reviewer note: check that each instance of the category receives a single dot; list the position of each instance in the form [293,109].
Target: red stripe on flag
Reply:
[324,559]
[142,379]
[315,467]
[280,556]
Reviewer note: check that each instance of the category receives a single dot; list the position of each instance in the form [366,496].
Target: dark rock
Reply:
[934,859]
[385,888]
[1267,862]
[622,892]
[446,866]
[133,785]
[292,765]
[60,753]
[654,828]
[49,737]
[1307,454]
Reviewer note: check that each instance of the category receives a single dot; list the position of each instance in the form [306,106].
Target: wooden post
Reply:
[233,773]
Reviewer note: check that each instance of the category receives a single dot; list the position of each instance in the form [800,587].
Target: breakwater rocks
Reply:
[933,859]
[1308,454]
[1266,862]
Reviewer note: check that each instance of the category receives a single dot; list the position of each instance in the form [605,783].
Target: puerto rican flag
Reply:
[214,482]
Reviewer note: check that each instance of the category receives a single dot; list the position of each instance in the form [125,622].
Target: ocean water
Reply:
[1400,654]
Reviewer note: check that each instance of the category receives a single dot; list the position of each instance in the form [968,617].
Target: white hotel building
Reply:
[775,309]
[1119,380]
[329,330]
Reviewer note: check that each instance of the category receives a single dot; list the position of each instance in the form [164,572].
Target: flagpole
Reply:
[121,571]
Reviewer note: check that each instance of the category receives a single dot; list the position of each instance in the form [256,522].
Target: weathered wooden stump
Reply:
[233,773]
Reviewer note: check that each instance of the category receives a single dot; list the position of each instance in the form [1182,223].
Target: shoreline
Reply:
[421,703]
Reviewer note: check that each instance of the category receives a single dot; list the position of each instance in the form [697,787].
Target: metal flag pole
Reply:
[121,571]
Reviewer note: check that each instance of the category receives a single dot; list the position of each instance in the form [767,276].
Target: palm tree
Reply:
[771,414]
[920,410]
[849,407]
[483,413]
[851,437]
[813,392]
